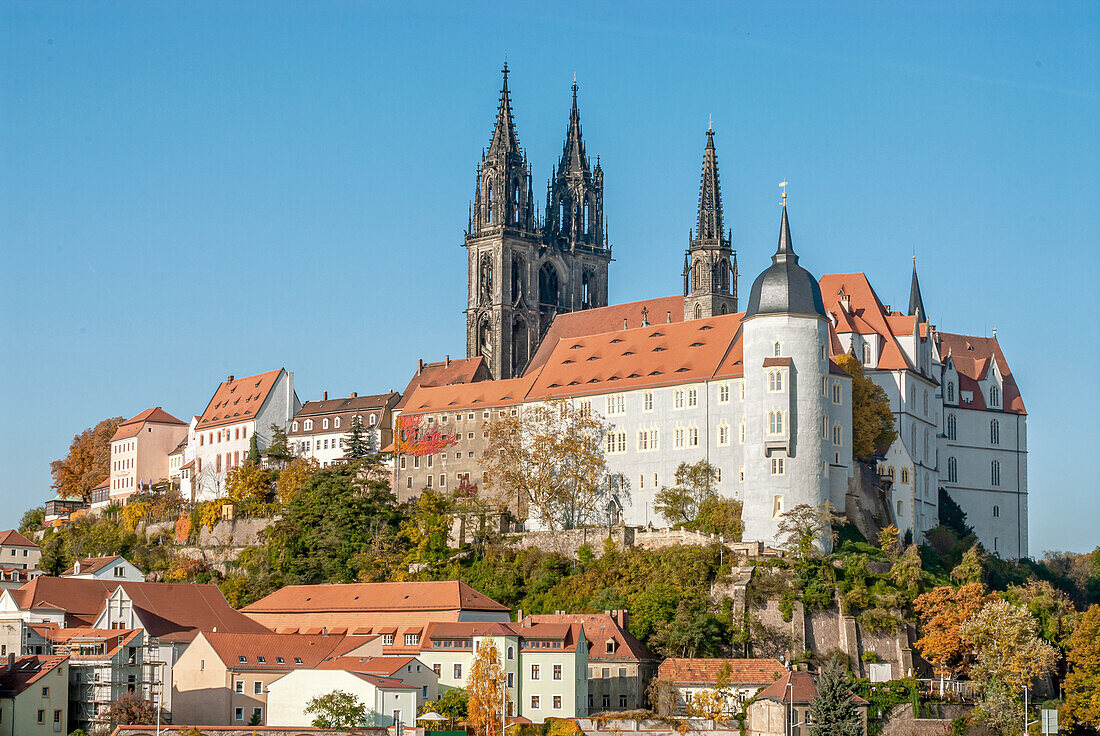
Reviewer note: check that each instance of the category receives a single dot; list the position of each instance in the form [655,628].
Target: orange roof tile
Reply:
[446,373]
[238,400]
[606,319]
[244,651]
[468,396]
[802,689]
[368,665]
[26,671]
[598,628]
[12,538]
[867,315]
[405,596]
[91,565]
[705,671]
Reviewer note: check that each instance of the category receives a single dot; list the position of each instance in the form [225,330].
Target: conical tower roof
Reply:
[916,303]
[573,159]
[504,141]
[710,194]
[785,287]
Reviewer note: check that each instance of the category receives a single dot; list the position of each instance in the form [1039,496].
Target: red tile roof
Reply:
[446,373]
[368,665]
[310,649]
[405,596]
[568,634]
[598,628]
[12,538]
[477,395]
[133,425]
[867,315]
[92,565]
[972,356]
[705,671]
[26,671]
[606,319]
[238,400]
[801,692]
[113,639]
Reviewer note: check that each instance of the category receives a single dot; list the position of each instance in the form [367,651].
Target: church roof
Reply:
[916,303]
[573,158]
[866,315]
[710,195]
[785,287]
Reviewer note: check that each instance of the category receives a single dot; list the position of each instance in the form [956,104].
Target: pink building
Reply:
[140,449]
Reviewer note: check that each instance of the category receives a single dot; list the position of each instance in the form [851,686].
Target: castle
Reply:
[683,378]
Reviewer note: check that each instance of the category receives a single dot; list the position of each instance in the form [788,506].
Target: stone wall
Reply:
[235,533]
[900,721]
[568,542]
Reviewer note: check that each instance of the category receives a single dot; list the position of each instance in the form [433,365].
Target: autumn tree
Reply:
[804,526]
[293,478]
[889,541]
[32,520]
[547,461]
[1052,609]
[832,711]
[872,421]
[1082,684]
[722,516]
[88,463]
[414,436]
[249,486]
[971,569]
[485,688]
[130,710]
[357,441]
[906,571]
[338,709]
[1007,646]
[942,612]
[695,484]
[428,528]
[713,703]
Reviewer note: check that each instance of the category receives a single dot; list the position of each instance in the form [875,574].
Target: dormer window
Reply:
[309,425]
[324,423]
[261,660]
[336,423]
[609,646]
[373,419]
[294,427]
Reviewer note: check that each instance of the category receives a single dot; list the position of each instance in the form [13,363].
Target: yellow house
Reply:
[34,695]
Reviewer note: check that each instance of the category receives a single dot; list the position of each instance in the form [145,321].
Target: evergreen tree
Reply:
[832,712]
[356,441]
[254,450]
[278,450]
[952,516]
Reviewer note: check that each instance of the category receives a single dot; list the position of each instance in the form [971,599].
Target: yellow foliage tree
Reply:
[942,612]
[1082,685]
[709,704]
[872,420]
[134,513]
[249,486]
[547,461]
[485,688]
[1007,646]
[293,478]
[88,463]
[888,542]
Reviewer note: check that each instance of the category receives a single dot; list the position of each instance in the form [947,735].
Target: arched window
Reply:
[996,512]
[994,396]
[775,422]
[775,380]
[561,218]
[905,475]
[776,349]
[324,423]
[515,201]
[951,426]
[517,278]
[995,473]
[588,288]
[336,423]
[489,200]
[951,391]
[548,285]
[373,419]
[994,432]
[698,311]
[866,355]
[485,275]
[952,470]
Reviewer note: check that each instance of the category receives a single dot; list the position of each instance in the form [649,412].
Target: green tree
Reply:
[1082,684]
[428,529]
[278,451]
[971,569]
[356,441]
[952,516]
[906,571]
[256,719]
[872,420]
[693,631]
[338,709]
[832,711]
[254,449]
[32,520]
[804,525]
[999,710]
[695,483]
[451,704]
[250,486]
[1007,646]
[722,516]
[88,463]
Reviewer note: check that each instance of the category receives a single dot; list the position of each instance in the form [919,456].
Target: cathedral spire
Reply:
[710,195]
[504,139]
[916,303]
[574,213]
[573,158]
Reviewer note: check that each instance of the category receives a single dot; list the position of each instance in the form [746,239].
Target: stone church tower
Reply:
[521,274]
[710,265]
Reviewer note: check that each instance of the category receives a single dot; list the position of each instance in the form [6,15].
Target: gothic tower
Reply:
[503,244]
[572,273]
[710,265]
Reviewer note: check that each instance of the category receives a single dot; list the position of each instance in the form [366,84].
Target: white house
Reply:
[112,567]
[388,700]
[320,428]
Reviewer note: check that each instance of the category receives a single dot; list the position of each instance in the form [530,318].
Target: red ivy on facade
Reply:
[414,438]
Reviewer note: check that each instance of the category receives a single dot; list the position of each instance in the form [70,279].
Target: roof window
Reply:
[241,658]
[658,334]
[297,660]
[280,660]
[696,345]
[706,327]
[574,347]
[261,660]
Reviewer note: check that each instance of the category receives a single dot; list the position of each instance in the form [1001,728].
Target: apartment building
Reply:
[320,428]
[139,452]
[34,695]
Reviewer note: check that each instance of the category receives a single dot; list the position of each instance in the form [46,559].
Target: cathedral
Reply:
[755,390]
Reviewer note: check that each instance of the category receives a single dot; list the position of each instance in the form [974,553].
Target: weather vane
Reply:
[710,122]
[784,185]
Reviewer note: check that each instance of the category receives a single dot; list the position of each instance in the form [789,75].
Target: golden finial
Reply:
[784,185]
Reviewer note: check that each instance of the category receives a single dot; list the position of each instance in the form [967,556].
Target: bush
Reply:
[869,657]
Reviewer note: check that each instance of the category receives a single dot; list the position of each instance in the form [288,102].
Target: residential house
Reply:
[103,665]
[221,437]
[408,670]
[319,428]
[139,451]
[15,577]
[34,695]
[388,700]
[546,664]
[222,678]
[737,679]
[60,508]
[619,666]
[372,608]
[111,567]
[782,708]
[100,497]
[18,552]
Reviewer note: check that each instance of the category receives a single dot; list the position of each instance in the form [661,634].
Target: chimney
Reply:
[519,614]
[622,618]
[324,396]
[419,365]
[11,660]
[230,379]
[354,394]
[668,316]
[624,323]
[447,361]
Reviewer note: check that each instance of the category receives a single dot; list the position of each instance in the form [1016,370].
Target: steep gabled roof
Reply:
[481,394]
[92,565]
[598,629]
[244,650]
[446,373]
[26,671]
[405,596]
[238,400]
[605,319]
[347,404]
[803,689]
[132,426]
[972,356]
[12,538]
[867,315]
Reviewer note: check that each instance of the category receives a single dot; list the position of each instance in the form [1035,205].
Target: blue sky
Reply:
[189,190]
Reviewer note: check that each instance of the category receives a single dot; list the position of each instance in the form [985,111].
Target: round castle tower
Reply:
[788,393]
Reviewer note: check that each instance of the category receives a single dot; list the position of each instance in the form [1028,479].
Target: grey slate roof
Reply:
[785,287]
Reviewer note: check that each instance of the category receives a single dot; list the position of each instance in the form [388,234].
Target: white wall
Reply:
[288,697]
